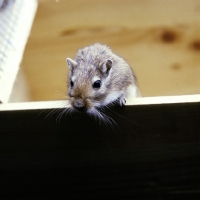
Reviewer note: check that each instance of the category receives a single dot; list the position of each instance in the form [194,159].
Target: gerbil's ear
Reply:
[71,63]
[106,66]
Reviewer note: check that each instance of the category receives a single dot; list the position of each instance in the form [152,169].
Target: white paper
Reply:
[16,18]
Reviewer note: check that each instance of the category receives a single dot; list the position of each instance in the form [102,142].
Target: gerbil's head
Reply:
[88,82]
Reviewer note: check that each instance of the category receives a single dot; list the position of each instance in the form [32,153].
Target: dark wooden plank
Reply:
[153,153]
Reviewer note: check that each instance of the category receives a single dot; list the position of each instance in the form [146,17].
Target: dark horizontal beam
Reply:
[150,151]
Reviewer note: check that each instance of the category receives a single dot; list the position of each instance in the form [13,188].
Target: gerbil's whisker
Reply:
[54,111]
[118,114]
[62,113]
[102,118]
[64,106]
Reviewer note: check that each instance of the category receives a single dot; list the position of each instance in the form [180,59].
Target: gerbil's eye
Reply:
[71,83]
[97,84]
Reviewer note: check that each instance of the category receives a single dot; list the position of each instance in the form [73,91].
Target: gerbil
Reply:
[98,77]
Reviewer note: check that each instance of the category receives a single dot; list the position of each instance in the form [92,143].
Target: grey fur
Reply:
[99,61]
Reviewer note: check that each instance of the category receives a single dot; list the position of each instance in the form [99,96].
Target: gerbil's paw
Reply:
[122,101]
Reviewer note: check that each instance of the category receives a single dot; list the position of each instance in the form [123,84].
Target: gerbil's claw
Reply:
[122,101]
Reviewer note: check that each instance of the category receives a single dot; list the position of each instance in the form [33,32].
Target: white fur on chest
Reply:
[132,92]
[129,93]
[112,96]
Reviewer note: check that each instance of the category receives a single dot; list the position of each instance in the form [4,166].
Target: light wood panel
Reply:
[159,39]
[46,105]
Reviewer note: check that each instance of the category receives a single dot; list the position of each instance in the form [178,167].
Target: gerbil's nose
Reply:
[79,105]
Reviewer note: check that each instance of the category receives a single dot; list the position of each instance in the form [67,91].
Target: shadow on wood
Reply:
[153,153]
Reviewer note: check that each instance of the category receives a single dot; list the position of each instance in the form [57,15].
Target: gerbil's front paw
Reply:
[122,101]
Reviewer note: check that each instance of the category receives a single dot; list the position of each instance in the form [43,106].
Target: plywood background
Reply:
[159,39]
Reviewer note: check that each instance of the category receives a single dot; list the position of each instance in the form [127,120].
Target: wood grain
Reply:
[159,39]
